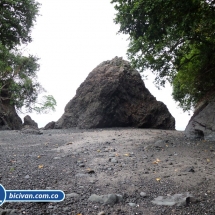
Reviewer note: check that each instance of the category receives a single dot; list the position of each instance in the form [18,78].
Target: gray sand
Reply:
[122,161]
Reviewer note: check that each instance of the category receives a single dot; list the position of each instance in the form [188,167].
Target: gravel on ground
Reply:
[116,171]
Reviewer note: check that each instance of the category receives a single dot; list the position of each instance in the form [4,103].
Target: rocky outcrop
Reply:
[202,123]
[30,126]
[9,119]
[50,125]
[114,95]
[28,122]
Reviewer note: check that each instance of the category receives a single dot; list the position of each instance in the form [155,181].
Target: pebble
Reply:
[90,171]
[190,169]
[143,194]
[101,213]
[27,177]
[108,199]
[114,160]
[66,209]
[192,199]
[72,195]
[132,204]
[57,158]
[158,142]
[48,188]
[92,181]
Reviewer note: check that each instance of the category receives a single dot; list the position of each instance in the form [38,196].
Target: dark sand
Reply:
[156,162]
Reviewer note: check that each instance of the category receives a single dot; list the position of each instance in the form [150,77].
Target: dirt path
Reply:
[128,162]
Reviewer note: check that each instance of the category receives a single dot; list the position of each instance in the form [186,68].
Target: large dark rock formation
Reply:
[8,117]
[114,95]
[202,123]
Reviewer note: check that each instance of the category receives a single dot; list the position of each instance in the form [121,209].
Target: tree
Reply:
[17,19]
[175,40]
[195,78]
[18,81]
[18,73]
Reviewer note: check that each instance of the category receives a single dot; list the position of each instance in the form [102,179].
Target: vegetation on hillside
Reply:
[175,40]
[18,73]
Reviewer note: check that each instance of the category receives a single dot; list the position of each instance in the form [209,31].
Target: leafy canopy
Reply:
[18,73]
[17,19]
[175,39]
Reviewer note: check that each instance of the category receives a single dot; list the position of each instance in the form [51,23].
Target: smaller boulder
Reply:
[50,125]
[176,199]
[202,123]
[28,122]
[109,199]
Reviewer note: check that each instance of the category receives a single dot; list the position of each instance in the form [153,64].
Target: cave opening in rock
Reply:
[199,134]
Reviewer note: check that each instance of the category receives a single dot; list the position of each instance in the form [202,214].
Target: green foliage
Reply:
[195,77]
[48,103]
[17,18]
[18,82]
[18,73]
[175,40]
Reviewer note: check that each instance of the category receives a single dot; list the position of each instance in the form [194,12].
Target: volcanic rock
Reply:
[176,199]
[9,119]
[114,95]
[50,125]
[202,123]
[106,199]
[28,122]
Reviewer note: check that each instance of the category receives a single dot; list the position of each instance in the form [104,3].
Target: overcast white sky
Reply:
[71,38]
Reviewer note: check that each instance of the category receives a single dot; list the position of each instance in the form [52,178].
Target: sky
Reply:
[71,38]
